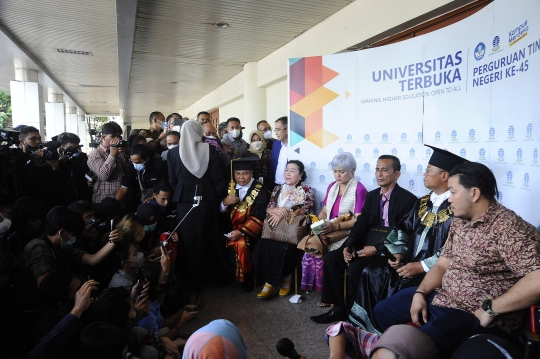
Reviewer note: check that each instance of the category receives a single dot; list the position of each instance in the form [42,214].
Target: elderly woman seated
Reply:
[344,197]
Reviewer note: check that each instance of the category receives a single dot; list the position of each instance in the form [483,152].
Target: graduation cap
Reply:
[244,163]
[444,159]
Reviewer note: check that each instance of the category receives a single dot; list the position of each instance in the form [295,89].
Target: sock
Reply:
[267,287]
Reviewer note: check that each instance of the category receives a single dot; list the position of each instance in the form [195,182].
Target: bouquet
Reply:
[294,198]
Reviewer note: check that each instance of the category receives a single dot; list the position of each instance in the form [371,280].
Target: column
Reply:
[81,120]
[54,115]
[254,98]
[27,102]
[71,119]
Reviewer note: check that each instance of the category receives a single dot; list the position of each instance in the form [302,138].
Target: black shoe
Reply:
[329,317]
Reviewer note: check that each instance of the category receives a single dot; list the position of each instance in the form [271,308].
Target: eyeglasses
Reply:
[432,171]
[279,129]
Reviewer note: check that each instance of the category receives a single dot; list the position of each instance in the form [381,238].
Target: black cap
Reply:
[444,159]
[244,163]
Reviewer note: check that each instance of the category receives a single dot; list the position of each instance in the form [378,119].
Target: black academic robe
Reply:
[379,281]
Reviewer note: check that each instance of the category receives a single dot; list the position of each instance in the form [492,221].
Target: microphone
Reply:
[196,199]
[285,348]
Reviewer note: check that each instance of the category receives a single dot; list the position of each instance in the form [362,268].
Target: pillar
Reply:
[54,115]
[71,119]
[83,133]
[254,98]
[27,102]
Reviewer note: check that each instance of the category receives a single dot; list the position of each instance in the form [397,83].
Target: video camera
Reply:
[50,150]
[95,136]
[9,137]
[121,144]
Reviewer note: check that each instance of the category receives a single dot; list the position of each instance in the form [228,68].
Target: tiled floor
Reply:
[263,322]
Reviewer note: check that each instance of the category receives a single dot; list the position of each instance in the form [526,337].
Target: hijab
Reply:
[194,153]
[219,339]
[263,147]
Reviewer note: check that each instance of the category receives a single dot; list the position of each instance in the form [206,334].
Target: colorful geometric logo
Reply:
[308,96]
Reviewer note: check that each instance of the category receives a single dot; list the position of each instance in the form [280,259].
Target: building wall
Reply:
[359,21]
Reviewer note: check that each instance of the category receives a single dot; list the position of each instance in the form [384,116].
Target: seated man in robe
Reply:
[427,225]
[245,207]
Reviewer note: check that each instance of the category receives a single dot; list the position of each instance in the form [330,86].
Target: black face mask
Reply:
[30,149]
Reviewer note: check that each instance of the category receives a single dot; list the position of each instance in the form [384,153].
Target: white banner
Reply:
[472,88]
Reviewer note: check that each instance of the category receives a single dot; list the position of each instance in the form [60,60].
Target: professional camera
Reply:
[8,137]
[120,144]
[99,224]
[95,136]
[71,152]
[50,151]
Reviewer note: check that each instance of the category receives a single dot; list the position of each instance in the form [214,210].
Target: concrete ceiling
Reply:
[146,55]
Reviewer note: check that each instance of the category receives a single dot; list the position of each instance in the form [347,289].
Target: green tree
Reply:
[5,110]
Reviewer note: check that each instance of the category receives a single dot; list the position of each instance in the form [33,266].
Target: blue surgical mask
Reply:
[68,243]
[139,166]
[151,228]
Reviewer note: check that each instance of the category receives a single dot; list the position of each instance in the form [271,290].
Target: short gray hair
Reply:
[344,160]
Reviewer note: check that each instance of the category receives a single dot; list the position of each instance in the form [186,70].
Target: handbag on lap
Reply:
[289,230]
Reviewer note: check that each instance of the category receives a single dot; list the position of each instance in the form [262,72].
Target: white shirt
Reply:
[242,192]
[436,200]
[282,163]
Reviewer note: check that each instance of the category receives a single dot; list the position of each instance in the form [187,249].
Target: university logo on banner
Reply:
[479,51]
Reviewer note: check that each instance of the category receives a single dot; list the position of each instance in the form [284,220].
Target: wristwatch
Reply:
[486,306]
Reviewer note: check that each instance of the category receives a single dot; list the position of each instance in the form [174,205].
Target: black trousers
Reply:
[333,272]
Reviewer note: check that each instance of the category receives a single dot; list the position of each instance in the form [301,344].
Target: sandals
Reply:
[323,305]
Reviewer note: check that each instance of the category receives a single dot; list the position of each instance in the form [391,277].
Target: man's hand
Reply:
[230,199]
[186,318]
[410,269]
[165,261]
[82,297]
[367,251]
[161,136]
[142,304]
[347,257]
[419,310]
[174,237]
[486,320]
[235,235]
[115,236]
[114,150]
[397,263]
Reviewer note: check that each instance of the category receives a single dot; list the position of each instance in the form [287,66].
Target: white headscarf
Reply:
[194,153]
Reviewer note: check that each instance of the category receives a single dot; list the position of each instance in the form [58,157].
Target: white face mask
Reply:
[177,128]
[234,133]
[268,135]
[4,226]
[257,145]
[172,146]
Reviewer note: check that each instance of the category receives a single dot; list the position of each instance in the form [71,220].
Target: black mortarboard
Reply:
[444,159]
[244,163]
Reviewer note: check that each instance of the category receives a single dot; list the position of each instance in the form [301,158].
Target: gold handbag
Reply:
[289,230]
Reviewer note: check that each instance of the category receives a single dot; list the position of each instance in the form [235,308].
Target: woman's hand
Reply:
[186,318]
[274,219]
[368,251]
[329,227]
[281,211]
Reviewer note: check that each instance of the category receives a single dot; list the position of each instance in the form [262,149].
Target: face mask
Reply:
[32,148]
[140,259]
[172,146]
[234,133]
[177,128]
[4,226]
[257,145]
[139,166]
[268,135]
[68,243]
[151,228]
[164,125]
